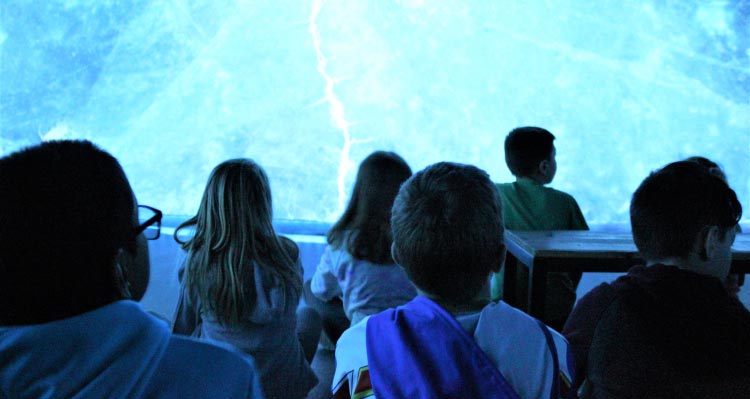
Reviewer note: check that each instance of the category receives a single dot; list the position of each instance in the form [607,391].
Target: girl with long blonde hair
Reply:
[242,282]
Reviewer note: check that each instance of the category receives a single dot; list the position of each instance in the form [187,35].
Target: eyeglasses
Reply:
[149,222]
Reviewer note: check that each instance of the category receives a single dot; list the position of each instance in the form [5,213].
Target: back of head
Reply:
[448,230]
[525,148]
[710,165]
[674,204]
[66,208]
[236,206]
[368,214]
[233,234]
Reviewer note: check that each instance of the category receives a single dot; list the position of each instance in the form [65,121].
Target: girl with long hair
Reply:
[356,266]
[242,282]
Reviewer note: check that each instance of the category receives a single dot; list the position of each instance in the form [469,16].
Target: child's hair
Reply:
[525,148]
[233,235]
[66,208]
[710,165]
[448,230]
[674,204]
[365,227]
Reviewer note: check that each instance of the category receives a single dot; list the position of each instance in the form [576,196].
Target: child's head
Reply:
[710,165]
[529,152]
[677,207]
[368,214]
[448,231]
[234,234]
[67,220]
[236,203]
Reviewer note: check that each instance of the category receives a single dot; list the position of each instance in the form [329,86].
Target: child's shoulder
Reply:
[290,247]
[351,359]
[500,310]
[561,195]
[354,335]
[500,319]
[529,187]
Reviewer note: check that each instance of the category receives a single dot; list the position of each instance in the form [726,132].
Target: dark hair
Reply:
[710,165]
[365,226]
[448,230]
[66,208]
[672,205]
[234,235]
[525,148]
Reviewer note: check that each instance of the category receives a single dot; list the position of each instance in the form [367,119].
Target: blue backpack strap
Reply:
[555,394]
[419,351]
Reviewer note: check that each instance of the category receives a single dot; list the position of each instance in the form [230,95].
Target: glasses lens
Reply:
[147,219]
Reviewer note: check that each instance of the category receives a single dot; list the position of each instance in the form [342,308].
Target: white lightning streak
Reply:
[338,119]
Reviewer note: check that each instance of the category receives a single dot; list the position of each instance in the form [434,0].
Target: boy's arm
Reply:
[624,362]
[581,325]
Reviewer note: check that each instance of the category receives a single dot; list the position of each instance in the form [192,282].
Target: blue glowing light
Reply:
[309,88]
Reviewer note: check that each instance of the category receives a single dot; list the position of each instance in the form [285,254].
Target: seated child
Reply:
[357,265]
[72,249]
[242,282]
[529,205]
[669,329]
[733,281]
[450,341]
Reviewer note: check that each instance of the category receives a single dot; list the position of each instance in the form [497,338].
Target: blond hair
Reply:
[234,235]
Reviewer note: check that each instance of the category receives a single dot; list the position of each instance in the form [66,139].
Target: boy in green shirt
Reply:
[529,205]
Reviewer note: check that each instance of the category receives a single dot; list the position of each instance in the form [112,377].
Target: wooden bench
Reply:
[586,251]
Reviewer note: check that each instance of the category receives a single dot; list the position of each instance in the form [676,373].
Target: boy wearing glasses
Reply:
[72,256]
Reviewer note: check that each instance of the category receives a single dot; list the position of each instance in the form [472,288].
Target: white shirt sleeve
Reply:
[324,283]
[506,333]
[352,372]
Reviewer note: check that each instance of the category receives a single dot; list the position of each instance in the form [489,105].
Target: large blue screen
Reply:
[309,88]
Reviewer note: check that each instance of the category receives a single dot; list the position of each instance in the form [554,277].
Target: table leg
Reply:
[537,289]
[509,280]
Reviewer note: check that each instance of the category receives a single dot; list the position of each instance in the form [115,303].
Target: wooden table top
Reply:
[584,245]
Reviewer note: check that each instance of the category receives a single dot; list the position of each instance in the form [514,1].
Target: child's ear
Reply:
[395,254]
[544,167]
[501,259]
[709,242]
[134,265]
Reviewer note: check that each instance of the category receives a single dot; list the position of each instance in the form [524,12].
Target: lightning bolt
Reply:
[338,118]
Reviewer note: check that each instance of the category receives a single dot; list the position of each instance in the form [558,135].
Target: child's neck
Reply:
[536,178]
[475,305]
[465,308]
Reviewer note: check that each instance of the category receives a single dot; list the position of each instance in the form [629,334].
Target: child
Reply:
[72,240]
[357,265]
[242,282]
[669,329]
[733,281]
[450,341]
[529,205]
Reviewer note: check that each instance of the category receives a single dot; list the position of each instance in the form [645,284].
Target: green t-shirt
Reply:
[528,205]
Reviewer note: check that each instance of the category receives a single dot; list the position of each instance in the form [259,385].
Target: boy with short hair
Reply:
[72,250]
[529,205]
[450,341]
[669,329]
